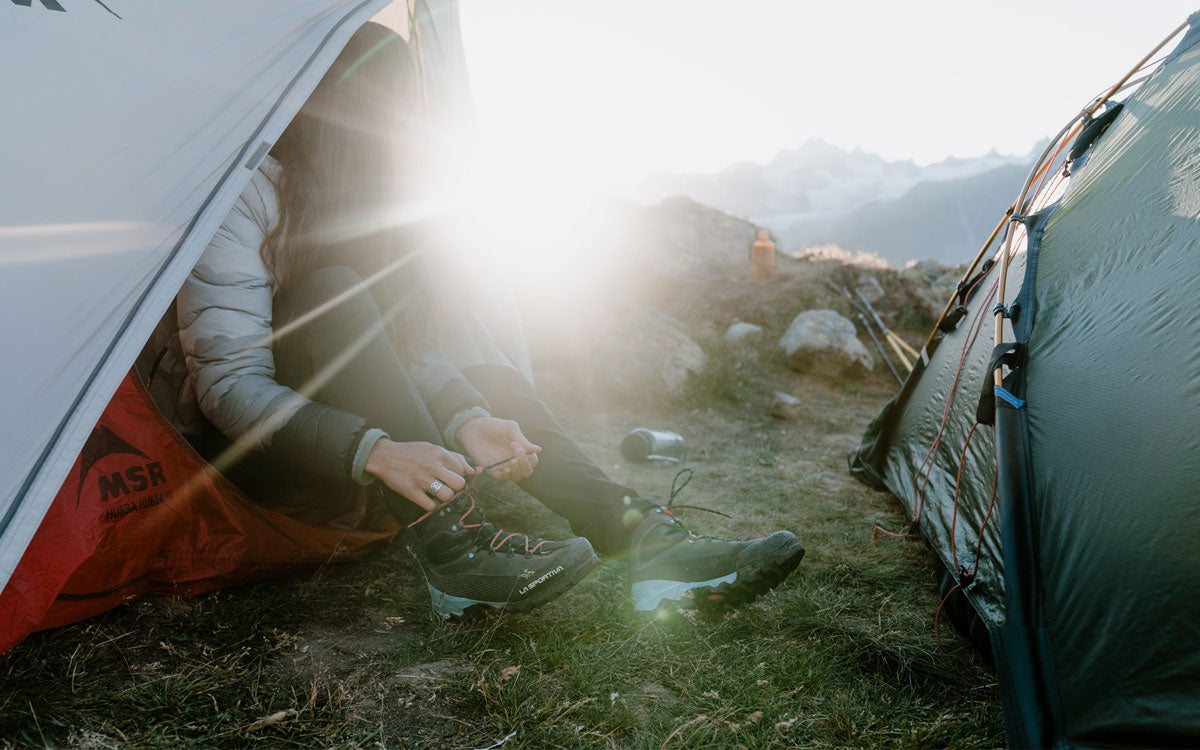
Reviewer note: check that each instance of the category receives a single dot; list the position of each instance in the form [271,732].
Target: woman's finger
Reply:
[464,465]
[459,464]
[444,493]
[451,479]
[502,471]
[522,467]
[518,438]
[416,497]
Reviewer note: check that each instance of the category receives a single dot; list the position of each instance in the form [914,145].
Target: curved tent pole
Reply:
[1039,167]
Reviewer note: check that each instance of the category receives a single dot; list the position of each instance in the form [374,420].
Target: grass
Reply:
[842,654]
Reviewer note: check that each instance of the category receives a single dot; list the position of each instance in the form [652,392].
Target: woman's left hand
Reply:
[488,440]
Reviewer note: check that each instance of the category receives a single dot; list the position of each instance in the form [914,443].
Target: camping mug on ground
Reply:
[652,445]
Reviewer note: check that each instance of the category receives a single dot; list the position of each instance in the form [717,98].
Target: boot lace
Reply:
[669,509]
[473,517]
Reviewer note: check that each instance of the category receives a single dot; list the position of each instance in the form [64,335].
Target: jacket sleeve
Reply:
[449,396]
[224,313]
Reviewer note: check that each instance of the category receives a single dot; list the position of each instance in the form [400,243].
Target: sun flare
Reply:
[535,227]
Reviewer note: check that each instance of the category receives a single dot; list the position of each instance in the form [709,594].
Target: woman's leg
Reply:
[331,346]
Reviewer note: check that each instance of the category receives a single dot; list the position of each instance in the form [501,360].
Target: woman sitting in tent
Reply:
[332,387]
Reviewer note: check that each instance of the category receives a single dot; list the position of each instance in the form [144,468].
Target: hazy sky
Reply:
[620,88]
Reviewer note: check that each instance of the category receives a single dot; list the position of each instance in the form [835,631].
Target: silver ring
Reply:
[434,486]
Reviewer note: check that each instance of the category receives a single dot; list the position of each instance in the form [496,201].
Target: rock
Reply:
[931,283]
[785,406]
[818,336]
[742,333]
[869,287]
[938,277]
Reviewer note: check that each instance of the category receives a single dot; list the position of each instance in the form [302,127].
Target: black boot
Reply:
[672,567]
[473,566]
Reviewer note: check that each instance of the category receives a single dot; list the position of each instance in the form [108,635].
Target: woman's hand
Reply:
[410,468]
[488,440]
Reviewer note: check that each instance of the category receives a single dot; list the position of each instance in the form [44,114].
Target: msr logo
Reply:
[138,477]
[55,5]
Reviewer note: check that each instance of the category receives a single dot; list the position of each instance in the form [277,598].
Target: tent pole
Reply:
[1039,166]
[1132,71]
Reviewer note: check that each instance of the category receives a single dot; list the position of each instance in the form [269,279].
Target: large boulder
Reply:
[822,337]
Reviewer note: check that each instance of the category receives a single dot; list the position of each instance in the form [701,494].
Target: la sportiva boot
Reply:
[671,567]
[473,567]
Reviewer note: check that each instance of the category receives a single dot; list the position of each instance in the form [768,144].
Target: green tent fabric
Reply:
[1087,575]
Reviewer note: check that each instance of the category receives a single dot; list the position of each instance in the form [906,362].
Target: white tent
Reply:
[130,129]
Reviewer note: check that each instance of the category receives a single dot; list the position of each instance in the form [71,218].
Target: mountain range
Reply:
[820,194]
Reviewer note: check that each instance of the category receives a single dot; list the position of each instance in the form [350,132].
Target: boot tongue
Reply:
[656,531]
[459,506]
[445,527]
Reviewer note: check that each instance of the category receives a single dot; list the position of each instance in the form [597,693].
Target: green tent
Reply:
[1069,526]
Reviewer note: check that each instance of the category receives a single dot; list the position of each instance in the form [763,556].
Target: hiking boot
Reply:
[473,567]
[672,567]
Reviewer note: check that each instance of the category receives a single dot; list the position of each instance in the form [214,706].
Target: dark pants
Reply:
[344,355]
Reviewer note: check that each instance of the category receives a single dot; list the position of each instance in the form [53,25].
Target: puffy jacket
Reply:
[224,314]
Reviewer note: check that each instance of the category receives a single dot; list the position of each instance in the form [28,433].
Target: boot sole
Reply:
[747,583]
[457,608]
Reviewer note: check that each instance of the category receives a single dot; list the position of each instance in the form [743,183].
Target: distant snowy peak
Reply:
[815,181]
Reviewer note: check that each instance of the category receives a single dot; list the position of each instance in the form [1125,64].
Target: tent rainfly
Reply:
[130,129]
[1064,503]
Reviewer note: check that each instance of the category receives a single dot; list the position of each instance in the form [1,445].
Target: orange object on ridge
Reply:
[762,256]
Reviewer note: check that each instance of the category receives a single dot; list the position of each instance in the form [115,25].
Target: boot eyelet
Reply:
[471,555]
[454,528]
